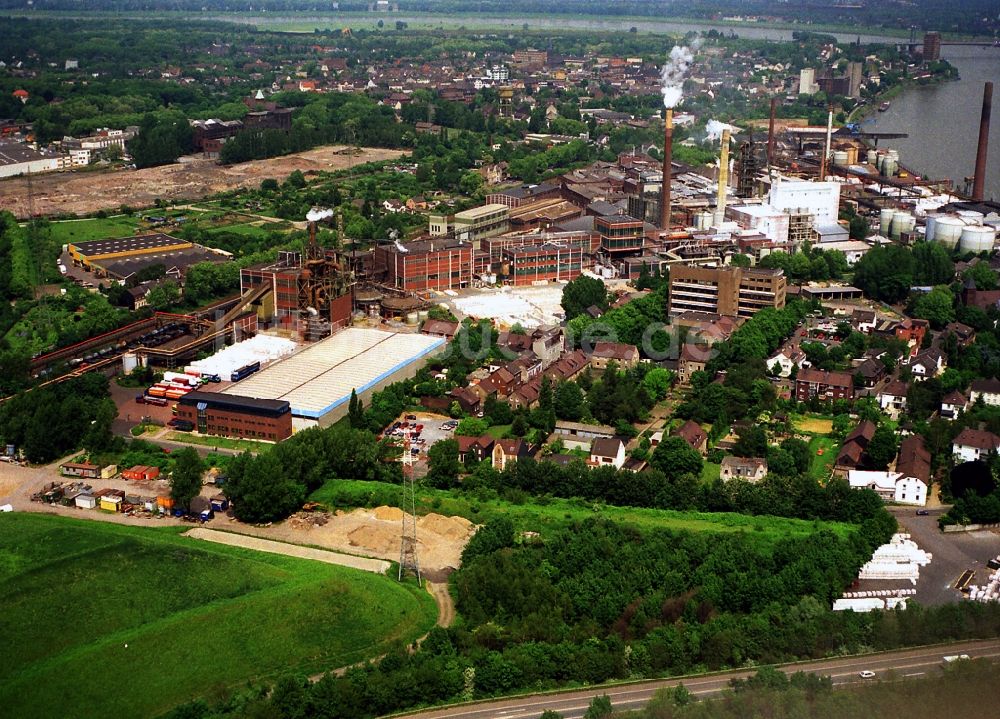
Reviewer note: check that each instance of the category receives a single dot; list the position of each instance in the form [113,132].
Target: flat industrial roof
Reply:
[139,243]
[125,267]
[253,405]
[320,378]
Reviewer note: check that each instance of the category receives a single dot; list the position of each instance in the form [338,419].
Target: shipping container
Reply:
[245,371]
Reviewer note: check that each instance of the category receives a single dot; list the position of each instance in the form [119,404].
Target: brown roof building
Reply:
[694,435]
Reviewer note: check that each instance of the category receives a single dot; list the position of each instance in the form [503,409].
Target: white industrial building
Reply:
[766,219]
[819,199]
[17,158]
[317,381]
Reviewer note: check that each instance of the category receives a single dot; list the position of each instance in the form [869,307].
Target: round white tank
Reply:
[907,225]
[948,230]
[889,167]
[971,217]
[423,315]
[893,155]
[929,227]
[872,157]
[885,221]
[840,157]
[129,362]
[412,318]
[899,221]
[977,238]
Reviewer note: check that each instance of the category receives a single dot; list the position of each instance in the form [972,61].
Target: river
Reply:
[943,121]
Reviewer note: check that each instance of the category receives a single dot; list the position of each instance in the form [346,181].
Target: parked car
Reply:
[866,674]
[922,512]
[411,416]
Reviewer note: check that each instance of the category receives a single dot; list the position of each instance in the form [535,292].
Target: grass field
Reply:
[710,472]
[103,620]
[822,464]
[223,442]
[813,425]
[554,513]
[64,232]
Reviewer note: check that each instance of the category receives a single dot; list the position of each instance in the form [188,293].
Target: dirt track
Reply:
[191,178]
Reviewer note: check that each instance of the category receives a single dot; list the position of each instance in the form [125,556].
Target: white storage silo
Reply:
[885,221]
[840,157]
[977,238]
[872,157]
[901,220]
[930,223]
[948,231]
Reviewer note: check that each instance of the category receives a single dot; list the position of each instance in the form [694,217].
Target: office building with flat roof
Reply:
[730,291]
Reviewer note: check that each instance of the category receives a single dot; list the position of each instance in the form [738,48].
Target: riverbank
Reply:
[862,112]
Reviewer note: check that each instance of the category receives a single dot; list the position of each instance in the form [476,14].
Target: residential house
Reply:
[508,450]
[926,364]
[892,398]
[890,486]
[823,384]
[526,395]
[479,447]
[953,404]
[963,334]
[854,446]
[972,444]
[914,467]
[440,328]
[912,332]
[751,469]
[694,435]
[580,436]
[987,390]
[864,320]
[692,359]
[870,371]
[626,356]
[786,360]
[607,451]
[467,399]
[568,366]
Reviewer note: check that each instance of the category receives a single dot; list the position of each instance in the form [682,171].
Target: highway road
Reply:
[845,670]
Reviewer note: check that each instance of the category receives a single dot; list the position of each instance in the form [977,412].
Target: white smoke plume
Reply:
[714,128]
[673,73]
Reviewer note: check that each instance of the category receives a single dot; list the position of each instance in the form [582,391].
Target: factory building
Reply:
[542,263]
[729,291]
[435,264]
[620,234]
[121,258]
[819,199]
[472,225]
[16,158]
[231,415]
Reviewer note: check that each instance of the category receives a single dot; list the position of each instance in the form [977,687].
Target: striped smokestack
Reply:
[770,134]
[984,141]
[668,153]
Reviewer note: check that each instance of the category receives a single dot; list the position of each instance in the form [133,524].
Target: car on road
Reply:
[866,674]
[922,512]
[411,416]
[955,657]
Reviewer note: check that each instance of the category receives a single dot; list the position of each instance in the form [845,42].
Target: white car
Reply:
[867,674]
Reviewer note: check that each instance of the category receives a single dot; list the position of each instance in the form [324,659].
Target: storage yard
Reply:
[191,178]
[528,306]
[318,380]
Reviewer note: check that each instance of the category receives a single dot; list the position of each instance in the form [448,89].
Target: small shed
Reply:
[110,471]
[201,508]
[112,502]
[165,503]
[85,501]
[219,503]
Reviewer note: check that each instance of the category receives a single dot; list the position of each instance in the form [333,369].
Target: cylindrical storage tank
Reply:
[880,163]
[423,315]
[929,227]
[129,362]
[852,155]
[885,221]
[977,238]
[840,157]
[907,225]
[890,167]
[702,220]
[893,155]
[872,157]
[412,318]
[971,217]
[898,221]
[947,231]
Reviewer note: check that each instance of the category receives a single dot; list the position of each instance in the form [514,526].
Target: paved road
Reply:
[376,566]
[572,705]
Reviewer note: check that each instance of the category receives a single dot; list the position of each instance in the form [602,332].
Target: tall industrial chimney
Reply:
[984,142]
[720,198]
[826,146]
[770,136]
[668,153]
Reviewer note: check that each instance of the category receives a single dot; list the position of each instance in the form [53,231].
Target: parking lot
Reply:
[430,432]
[952,553]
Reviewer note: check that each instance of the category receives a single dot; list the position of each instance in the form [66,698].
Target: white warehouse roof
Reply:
[320,378]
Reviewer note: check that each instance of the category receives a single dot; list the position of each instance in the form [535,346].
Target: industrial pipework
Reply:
[668,153]
[984,141]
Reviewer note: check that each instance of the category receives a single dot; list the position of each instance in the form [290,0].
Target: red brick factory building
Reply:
[229,415]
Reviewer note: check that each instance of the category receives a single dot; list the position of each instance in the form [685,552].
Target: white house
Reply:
[751,469]
[953,404]
[786,359]
[972,444]
[892,398]
[986,389]
[890,486]
[607,452]
[926,364]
